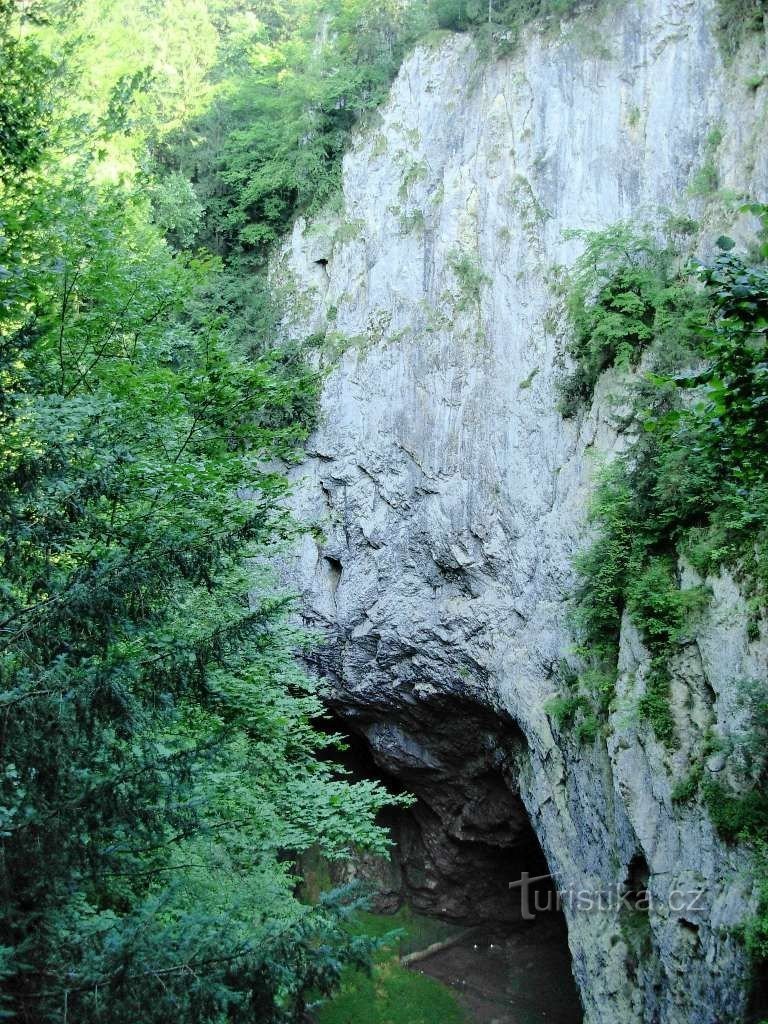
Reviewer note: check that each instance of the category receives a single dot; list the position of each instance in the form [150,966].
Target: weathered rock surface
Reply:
[451,493]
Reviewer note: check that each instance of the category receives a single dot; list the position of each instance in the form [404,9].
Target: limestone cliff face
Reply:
[452,494]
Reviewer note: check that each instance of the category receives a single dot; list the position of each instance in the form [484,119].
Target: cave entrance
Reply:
[459,846]
[457,849]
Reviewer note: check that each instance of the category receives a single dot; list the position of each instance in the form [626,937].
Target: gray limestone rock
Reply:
[452,494]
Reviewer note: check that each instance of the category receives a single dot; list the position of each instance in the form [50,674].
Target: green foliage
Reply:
[755,931]
[413,221]
[25,101]
[575,708]
[588,729]
[694,483]
[736,817]
[285,92]
[604,567]
[688,787]
[654,704]
[404,931]
[176,209]
[635,925]
[160,767]
[737,20]
[528,381]
[706,180]
[623,294]
[392,994]
[662,610]
[415,173]
[681,226]
[500,22]
[563,709]
[694,480]
[270,145]
[470,279]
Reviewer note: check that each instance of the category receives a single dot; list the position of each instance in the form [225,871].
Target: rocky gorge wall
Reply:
[450,495]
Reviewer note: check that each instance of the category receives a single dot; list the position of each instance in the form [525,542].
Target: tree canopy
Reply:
[161,765]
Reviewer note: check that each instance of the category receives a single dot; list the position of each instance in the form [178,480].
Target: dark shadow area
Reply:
[456,851]
[758,997]
[512,975]
[467,836]
[335,569]
[636,882]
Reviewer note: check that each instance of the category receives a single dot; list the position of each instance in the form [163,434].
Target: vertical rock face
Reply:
[451,494]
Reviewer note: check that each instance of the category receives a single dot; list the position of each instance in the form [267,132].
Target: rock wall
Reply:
[451,494]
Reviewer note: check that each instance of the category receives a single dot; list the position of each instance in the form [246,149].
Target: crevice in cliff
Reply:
[334,569]
[636,882]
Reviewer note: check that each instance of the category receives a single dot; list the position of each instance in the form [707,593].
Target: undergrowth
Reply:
[391,993]
[693,484]
[470,279]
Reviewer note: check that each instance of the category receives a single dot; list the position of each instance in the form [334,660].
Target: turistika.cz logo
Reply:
[536,899]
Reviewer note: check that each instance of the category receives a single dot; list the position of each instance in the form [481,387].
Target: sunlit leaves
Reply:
[159,757]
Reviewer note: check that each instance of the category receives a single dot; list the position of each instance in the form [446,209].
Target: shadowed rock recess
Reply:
[450,495]
[468,834]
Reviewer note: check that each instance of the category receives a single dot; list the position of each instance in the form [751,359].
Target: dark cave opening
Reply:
[467,836]
[334,569]
[636,882]
[757,1008]
[457,849]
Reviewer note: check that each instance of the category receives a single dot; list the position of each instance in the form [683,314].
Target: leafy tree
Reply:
[292,112]
[159,765]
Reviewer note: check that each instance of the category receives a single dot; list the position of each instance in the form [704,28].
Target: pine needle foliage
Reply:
[160,766]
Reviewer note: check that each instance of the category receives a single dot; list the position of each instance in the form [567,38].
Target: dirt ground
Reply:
[520,976]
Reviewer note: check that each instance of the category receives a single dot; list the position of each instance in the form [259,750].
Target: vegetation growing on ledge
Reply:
[500,22]
[694,482]
[737,20]
[625,293]
[470,279]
